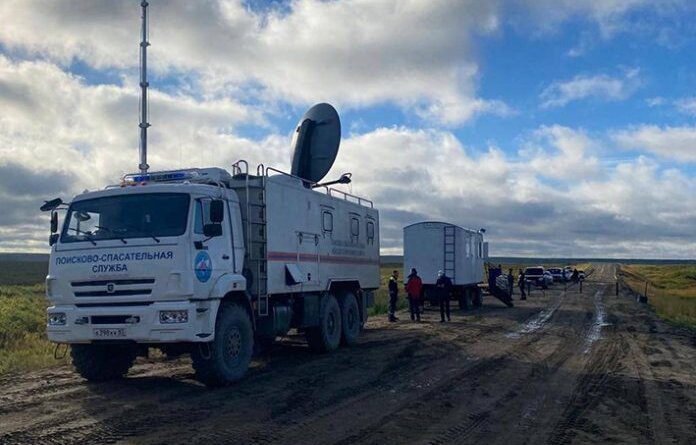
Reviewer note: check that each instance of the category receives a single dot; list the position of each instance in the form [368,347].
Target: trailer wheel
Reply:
[98,363]
[327,336]
[350,318]
[476,299]
[225,359]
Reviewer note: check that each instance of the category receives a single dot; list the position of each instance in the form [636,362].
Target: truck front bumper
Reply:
[140,324]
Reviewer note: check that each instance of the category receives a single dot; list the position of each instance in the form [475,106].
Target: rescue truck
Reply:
[212,262]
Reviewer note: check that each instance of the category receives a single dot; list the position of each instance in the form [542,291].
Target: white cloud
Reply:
[352,53]
[687,105]
[667,142]
[609,15]
[415,175]
[568,155]
[59,136]
[601,86]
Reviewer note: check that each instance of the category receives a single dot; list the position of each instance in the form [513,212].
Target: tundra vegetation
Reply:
[23,344]
[671,289]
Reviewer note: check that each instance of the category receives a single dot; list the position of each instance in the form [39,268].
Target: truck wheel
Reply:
[225,359]
[327,336]
[350,318]
[98,363]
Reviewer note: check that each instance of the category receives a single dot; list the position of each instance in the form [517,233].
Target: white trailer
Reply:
[460,253]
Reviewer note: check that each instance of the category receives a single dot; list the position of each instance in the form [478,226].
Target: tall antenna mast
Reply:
[143,90]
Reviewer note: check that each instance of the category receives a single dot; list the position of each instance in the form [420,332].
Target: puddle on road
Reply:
[536,322]
[595,332]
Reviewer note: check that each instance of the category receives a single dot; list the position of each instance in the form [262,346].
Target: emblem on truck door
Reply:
[110,288]
[203,266]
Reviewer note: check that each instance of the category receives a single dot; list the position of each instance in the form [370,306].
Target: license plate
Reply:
[110,333]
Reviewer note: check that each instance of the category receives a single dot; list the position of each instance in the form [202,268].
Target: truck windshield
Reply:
[126,216]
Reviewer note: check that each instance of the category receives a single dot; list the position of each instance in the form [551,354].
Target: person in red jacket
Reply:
[414,286]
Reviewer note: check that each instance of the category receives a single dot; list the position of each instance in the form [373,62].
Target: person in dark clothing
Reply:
[393,295]
[414,287]
[511,282]
[521,283]
[575,277]
[444,290]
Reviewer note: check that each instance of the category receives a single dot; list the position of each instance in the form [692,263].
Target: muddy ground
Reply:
[561,367]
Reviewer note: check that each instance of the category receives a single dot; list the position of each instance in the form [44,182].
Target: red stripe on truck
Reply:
[312,257]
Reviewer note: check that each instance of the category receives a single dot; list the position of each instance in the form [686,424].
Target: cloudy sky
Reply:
[564,127]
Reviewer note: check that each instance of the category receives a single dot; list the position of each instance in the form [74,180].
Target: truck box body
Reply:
[310,238]
[433,246]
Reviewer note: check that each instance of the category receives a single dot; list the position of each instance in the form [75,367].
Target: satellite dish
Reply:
[315,142]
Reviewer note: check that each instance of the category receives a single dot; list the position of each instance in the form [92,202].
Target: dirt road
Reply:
[563,367]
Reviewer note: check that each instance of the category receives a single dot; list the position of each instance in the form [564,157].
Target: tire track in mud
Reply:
[301,416]
[449,399]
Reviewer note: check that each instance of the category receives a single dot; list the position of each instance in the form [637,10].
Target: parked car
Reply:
[567,273]
[535,276]
[557,274]
[548,278]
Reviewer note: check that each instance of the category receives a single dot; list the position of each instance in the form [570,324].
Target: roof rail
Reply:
[262,170]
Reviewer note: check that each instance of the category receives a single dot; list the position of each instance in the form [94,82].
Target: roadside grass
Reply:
[671,289]
[23,343]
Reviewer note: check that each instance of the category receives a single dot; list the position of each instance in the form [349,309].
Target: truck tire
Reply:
[327,336]
[99,363]
[351,324]
[225,359]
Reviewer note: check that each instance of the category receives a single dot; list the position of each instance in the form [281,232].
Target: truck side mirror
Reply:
[217,211]
[53,239]
[54,222]
[212,230]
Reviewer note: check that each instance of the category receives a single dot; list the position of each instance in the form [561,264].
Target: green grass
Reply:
[23,343]
[671,289]
[381,305]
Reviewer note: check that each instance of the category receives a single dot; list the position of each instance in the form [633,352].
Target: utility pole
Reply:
[143,90]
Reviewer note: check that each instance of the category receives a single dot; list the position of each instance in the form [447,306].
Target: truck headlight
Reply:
[56,319]
[169,317]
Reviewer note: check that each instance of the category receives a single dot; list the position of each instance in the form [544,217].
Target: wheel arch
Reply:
[242,299]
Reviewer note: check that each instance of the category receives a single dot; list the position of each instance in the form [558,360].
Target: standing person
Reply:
[414,285]
[511,282]
[521,282]
[393,295]
[444,290]
[575,277]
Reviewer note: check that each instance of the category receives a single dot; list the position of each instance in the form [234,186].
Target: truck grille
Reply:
[113,288]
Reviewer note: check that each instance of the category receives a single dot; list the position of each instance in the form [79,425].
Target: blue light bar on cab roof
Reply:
[166,176]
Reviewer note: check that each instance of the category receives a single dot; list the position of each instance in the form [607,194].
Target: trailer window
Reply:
[327,222]
[480,250]
[354,228]
[370,232]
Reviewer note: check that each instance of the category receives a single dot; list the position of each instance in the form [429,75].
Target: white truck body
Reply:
[282,248]
[433,246]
